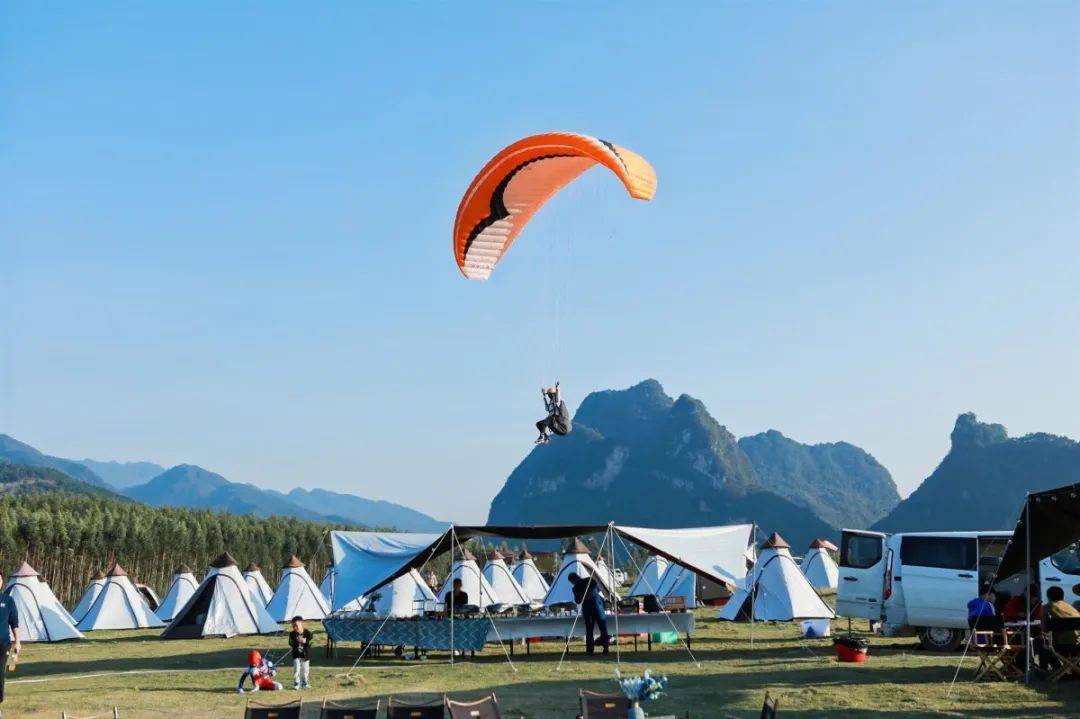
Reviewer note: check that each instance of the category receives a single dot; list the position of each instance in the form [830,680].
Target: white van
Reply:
[919,581]
[1062,570]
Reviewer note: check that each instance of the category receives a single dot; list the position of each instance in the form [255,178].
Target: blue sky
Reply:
[225,229]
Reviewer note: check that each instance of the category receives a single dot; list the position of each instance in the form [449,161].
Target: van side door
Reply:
[940,576]
[862,574]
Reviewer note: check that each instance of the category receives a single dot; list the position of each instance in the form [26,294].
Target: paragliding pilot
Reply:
[558,416]
[261,671]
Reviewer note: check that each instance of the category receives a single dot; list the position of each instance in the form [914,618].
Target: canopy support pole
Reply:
[611,568]
[753,588]
[486,613]
[1027,563]
[453,541]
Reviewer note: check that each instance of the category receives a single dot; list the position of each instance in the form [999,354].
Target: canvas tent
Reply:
[257,584]
[326,586]
[297,595]
[776,589]
[88,596]
[181,588]
[528,576]
[678,581]
[502,581]
[118,605]
[473,582]
[406,596]
[41,616]
[576,560]
[648,579]
[221,606]
[819,567]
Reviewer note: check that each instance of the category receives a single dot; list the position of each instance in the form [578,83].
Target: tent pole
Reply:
[453,541]
[753,588]
[1027,563]
[611,568]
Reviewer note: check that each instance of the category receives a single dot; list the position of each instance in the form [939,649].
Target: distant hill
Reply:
[841,483]
[19,479]
[982,481]
[17,452]
[121,475]
[637,456]
[369,512]
[186,485]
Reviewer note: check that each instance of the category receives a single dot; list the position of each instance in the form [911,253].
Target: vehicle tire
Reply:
[940,639]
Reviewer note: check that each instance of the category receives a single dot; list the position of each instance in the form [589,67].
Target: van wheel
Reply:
[940,639]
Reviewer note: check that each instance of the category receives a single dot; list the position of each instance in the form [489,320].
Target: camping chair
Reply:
[115,715]
[486,708]
[336,710]
[433,709]
[999,651]
[289,710]
[603,706]
[1069,655]
[770,708]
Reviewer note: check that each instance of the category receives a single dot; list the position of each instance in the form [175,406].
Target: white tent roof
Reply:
[502,581]
[118,605]
[473,582]
[297,595]
[406,596]
[781,592]
[88,597]
[364,560]
[717,553]
[41,616]
[605,571]
[181,588]
[576,560]
[530,579]
[230,611]
[648,580]
[820,570]
[678,581]
[260,588]
[326,586]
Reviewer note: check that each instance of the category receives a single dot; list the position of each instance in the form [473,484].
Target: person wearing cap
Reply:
[9,637]
[558,416]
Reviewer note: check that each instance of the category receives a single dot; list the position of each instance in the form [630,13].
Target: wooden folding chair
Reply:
[114,715]
[999,651]
[486,708]
[1067,654]
[339,710]
[432,709]
[603,706]
[770,708]
[289,710]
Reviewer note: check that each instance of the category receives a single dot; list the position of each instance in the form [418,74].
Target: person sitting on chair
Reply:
[558,416]
[1014,609]
[1066,641]
[982,614]
[587,594]
[456,598]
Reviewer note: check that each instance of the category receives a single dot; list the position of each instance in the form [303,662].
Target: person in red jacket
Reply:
[261,672]
[1014,609]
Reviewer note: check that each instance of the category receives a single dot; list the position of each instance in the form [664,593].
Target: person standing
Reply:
[9,637]
[587,594]
[300,643]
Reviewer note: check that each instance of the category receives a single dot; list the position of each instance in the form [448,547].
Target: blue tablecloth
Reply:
[469,634]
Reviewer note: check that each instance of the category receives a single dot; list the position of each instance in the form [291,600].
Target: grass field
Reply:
[152,678]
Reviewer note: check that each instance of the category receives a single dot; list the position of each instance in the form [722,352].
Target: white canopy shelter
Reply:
[181,588]
[118,605]
[502,581]
[648,579]
[473,582]
[221,606]
[365,560]
[297,595]
[819,567]
[406,596]
[41,616]
[528,576]
[97,581]
[257,584]
[776,590]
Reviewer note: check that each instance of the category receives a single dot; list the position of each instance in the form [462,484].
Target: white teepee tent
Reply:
[576,560]
[326,586]
[648,580]
[182,587]
[221,606]
[41,616]
[260,588]
[473,582]
[502,581]
[406,596]
[118,605]
[678,581]
[97,581]
[779,590]
[297,595]
[819,567]
[529,577]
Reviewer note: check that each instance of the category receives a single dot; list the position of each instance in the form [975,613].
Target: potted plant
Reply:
[639,689]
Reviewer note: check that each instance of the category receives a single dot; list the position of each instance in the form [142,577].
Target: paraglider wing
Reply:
[515,183]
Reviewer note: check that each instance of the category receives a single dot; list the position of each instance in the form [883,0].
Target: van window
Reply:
[859,551]
[939,552]
[1068,559]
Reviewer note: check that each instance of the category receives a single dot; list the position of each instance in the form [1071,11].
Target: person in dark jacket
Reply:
[558,416]
[300,644]
[9,636]
[587,594]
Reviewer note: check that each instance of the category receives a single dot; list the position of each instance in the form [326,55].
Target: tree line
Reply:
[66,537]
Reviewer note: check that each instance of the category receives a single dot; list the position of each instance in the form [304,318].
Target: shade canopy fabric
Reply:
[364,561]
[1055,524]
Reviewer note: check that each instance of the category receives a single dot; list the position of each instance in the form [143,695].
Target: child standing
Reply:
[300,643]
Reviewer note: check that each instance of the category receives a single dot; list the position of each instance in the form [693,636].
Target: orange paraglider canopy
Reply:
[516,182]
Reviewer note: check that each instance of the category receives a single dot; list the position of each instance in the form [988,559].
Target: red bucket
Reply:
[850,654]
